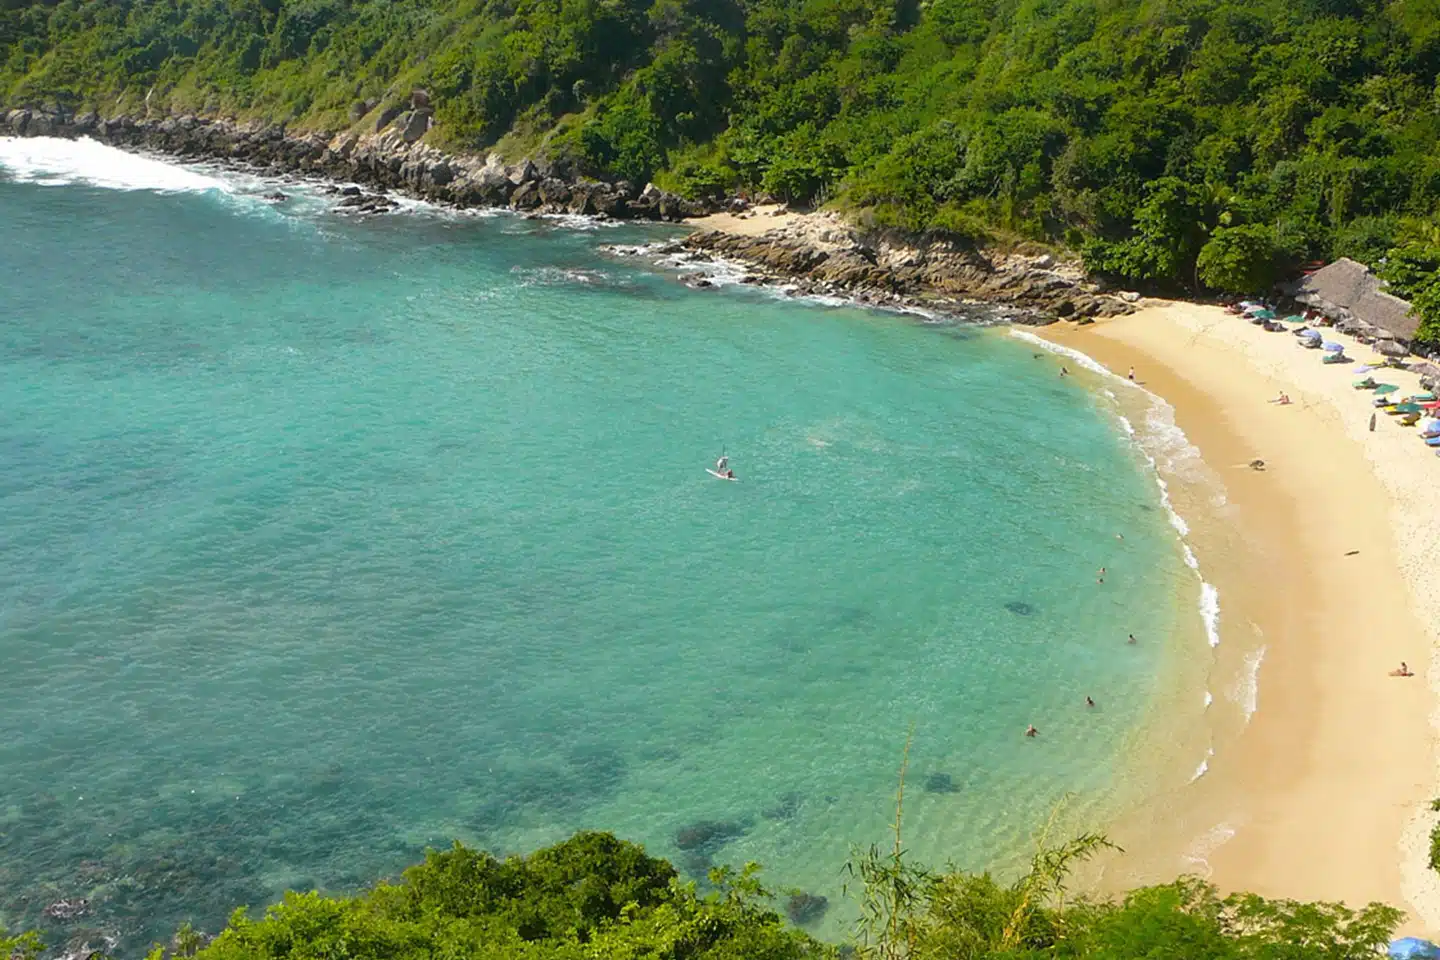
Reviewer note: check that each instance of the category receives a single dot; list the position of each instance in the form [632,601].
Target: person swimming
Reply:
[1132,639]
[1089,702]
[1030,731]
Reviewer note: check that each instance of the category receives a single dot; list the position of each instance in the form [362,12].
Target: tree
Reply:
[1238,259]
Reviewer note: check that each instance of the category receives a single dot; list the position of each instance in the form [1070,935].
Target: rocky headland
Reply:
[817,253]
[824,254]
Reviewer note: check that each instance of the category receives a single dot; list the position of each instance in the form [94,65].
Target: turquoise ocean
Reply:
[325,540]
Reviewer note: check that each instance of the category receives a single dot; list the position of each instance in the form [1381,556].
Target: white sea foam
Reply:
[1206,844]
[1246,690]
[1094,366]
[1169,452]
[1204,767]
[52,161]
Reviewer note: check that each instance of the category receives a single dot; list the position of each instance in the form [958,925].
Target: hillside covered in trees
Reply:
[1264,133]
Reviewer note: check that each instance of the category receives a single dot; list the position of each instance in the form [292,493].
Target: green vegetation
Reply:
[594,896]
[1177,142]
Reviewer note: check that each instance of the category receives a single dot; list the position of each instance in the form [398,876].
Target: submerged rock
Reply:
[1020,608]
[940,783]
[707,836]
[805,908]
[785,808]
[67,909]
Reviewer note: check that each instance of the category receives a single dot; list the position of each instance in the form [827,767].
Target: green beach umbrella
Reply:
[1386,388]
[1293,318]
[1405,408]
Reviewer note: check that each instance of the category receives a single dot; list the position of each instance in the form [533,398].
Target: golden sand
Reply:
[1330,560]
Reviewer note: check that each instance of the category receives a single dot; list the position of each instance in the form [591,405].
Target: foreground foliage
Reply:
[1179,141]
[594,896]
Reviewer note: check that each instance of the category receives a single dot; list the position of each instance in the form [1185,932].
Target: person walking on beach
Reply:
[1131,375]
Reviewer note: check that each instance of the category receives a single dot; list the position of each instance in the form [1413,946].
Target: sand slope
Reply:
[1323,794]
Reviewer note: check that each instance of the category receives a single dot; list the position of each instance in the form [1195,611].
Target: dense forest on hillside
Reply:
[1264,133]
[594,896]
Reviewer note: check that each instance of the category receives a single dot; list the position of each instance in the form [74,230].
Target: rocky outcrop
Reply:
[825,255]
[818,253]
[394,157]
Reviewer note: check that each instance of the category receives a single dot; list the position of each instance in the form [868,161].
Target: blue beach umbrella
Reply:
[1335,347]
[1413,948]
[1309,334]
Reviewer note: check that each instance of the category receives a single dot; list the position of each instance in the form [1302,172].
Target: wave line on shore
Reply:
[1167,450]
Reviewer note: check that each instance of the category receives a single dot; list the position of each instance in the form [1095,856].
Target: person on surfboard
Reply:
[721,464]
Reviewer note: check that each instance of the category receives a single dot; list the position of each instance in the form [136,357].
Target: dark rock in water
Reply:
[67,909]
[1020,608]
[350,191]
[696,864]
[940,783]
[353,200]
[785,808]
[806,908]
[276,197]
[702,284]
[707,836]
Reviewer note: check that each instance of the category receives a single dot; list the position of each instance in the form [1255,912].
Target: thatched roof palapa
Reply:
[1347,290]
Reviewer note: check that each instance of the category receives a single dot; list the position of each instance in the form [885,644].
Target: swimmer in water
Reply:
[1089,702]
[1132,639]
[1064,371]
[1030,731]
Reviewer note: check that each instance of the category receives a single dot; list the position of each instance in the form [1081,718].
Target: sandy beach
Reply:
[1324,563]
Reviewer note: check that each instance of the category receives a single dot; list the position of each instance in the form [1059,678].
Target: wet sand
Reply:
[1326,562]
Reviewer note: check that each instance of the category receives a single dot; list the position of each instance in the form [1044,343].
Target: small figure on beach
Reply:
[1132,639]
[1089,702]
[1372,423]
[1131,374]
[1404,670]
[1283,399]
[1030,731]
[1257,464]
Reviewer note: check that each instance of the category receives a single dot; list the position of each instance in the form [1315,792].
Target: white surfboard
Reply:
[721,476]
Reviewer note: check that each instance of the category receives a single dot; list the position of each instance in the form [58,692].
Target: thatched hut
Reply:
[1347,292]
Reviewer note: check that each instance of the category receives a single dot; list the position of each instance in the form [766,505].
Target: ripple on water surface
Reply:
[327,540]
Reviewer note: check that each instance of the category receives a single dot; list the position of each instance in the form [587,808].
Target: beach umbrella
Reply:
[1386,388]
[1405,408]
[1309,334]
[1263,314]
[1335,347]
[1432,405]
[1413,948]
[1293,318]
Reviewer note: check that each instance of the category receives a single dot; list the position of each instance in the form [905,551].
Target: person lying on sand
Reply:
[1257,464]
[1404,670]
[1283,399]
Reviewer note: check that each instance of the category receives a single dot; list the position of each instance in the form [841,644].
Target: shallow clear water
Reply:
[322,541]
